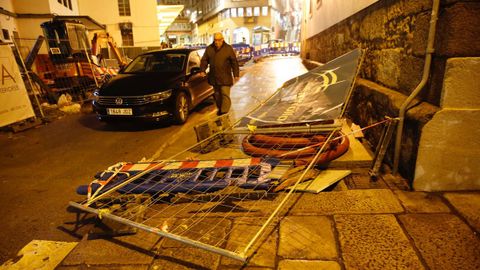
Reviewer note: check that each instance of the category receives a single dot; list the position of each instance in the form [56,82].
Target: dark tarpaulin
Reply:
[316,96]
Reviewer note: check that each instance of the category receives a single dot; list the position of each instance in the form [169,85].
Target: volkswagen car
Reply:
[158,85]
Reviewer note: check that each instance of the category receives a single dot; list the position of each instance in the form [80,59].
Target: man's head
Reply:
[218,39]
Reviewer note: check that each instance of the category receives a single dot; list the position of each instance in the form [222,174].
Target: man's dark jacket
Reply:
[222,63]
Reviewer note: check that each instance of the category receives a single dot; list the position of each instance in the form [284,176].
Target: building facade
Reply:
[130,23]
[22,19]
[240,21]
[174,21]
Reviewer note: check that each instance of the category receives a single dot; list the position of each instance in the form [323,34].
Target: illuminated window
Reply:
[124,7]
[233,11]
[256,11]
[249,12]
[240,12]
[264,11]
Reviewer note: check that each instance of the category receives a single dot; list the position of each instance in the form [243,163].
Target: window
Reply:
[66,3]
[127,33]
[157,62]
[127,40]
[193,61]
[6,35]
[249,12]
[264,11]
[233,11]
[240,12]
[124,7]
[77,36]
[16,37]
[256,11]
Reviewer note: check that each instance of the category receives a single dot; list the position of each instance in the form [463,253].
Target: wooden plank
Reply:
[323,180]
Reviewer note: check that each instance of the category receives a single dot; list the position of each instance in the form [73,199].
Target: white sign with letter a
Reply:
[14,102]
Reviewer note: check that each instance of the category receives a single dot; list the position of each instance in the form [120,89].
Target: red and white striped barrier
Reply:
[188,164]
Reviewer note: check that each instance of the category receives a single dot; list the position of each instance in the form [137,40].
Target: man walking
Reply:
[223,62]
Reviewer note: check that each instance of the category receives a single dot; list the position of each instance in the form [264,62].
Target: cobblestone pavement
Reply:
[359,224]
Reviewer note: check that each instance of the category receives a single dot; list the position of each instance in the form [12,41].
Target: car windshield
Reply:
[160,62]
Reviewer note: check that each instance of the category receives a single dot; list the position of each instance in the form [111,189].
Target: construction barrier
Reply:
[243,51]
[283,48]
[76,74]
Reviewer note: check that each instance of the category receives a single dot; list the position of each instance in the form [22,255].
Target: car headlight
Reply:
[158,96]
[96,95]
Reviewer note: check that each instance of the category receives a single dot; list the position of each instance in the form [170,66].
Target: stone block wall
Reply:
[449,151]
[394,34]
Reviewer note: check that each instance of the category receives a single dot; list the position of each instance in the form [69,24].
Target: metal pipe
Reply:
[302,129]
[159,232]
[416,91]
[29,79]
[87,54]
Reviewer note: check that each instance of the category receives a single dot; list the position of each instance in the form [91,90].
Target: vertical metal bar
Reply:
[89,62]
[426,72]
[29,80]
[382,147]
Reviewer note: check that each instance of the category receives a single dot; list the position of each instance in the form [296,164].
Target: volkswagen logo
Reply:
[118,101]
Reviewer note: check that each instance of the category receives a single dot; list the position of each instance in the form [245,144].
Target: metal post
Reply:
[382,147]
[426,72]
[159,232]
[89,62]
[29,80]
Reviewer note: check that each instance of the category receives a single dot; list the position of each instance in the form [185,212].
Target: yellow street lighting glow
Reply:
[166,14]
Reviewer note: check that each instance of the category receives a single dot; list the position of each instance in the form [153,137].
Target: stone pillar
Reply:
[449,150]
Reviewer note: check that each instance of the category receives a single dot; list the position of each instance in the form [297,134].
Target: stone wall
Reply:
[394,34]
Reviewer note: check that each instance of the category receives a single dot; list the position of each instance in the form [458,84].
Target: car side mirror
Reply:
[194,70]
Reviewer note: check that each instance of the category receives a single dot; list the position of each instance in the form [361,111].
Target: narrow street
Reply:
[43,166]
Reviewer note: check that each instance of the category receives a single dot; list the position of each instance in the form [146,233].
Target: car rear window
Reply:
[164,62]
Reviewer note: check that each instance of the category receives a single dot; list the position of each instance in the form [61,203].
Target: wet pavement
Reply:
[259,81]
[358,224]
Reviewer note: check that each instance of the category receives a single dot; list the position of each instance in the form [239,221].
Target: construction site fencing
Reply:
[57,73]
[54,73]
[276,48]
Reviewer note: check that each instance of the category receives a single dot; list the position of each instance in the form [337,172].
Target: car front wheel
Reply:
[181,108]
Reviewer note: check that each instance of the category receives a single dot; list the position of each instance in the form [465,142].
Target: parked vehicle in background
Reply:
[158,85]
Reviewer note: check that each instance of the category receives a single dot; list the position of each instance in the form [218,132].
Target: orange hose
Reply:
[279,141]
[283,147]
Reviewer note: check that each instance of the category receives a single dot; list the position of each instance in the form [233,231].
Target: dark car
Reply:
[156,85]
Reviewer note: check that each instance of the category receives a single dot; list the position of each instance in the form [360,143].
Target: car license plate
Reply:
[119,111]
